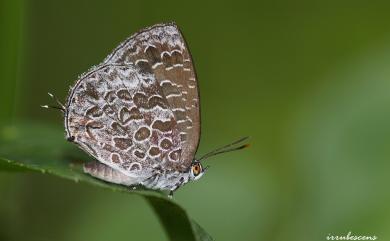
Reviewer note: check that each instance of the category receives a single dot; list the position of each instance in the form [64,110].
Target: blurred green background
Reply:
[308,81]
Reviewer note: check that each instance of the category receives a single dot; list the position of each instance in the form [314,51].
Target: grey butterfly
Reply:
[137,113]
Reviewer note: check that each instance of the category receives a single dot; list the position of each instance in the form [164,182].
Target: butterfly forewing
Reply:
[140,107]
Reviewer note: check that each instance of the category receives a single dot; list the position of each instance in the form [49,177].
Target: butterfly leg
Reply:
[170,195]
[151,181]
[108,174]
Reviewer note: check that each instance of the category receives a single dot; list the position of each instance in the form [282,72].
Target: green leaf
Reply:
[42,149]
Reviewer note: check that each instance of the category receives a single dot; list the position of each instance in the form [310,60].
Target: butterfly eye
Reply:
[196,169]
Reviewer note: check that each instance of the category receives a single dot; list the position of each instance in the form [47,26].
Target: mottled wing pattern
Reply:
[162,51]
[138,110]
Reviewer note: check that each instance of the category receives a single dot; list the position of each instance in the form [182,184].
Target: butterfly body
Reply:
[137,113]
[158,179]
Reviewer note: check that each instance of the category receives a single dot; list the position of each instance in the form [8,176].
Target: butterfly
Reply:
[137,113]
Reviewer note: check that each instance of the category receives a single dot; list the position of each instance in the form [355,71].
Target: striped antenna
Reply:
[234,146]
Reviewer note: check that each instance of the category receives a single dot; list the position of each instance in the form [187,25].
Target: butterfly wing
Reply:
[139,109]
[162,51]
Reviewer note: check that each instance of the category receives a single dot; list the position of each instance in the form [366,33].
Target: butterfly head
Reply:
[196,170]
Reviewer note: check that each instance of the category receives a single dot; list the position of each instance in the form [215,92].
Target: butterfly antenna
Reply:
[60,106]
[234,146]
